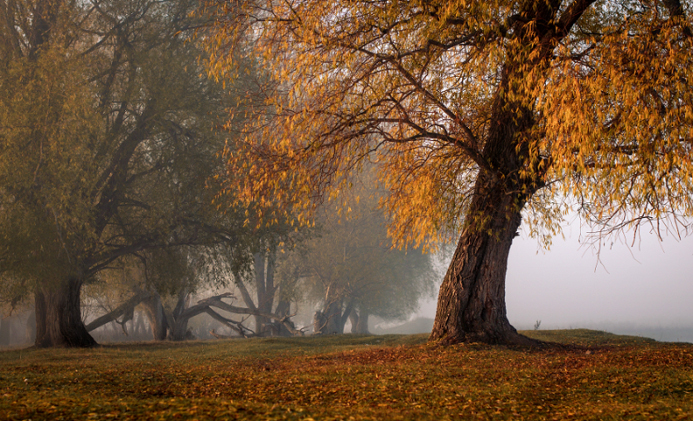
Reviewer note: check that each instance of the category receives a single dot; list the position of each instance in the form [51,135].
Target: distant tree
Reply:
[476,113]
[162,284]
[352,269]
[108,145]
[263,287]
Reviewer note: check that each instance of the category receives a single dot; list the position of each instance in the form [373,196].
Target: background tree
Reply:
[262,283]
[474,112]
[162,283]
[353,270]
[108,143]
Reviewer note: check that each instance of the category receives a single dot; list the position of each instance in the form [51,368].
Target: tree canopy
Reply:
[475,113]
[108,143]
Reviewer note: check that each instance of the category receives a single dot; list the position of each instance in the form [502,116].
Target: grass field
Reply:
[353,377]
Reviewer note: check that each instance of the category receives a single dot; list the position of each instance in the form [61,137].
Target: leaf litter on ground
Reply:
[581,374]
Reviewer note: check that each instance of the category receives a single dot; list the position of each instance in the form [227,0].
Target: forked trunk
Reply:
[58,315]
[359,323]
[179,319]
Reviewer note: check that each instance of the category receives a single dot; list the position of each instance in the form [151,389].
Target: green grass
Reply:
[601,376]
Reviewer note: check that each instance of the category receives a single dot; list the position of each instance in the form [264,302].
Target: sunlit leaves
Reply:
[392,83]
[619,123]
[415,87]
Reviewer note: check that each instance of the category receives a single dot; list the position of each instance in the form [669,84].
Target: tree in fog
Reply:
[352,269]
[107,146]
[477,114]
[262,287]
[162,284]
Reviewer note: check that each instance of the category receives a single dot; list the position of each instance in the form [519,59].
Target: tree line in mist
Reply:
[112,198]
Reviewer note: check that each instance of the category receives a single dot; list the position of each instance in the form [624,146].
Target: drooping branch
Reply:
[217,302]
[205,306]
[125,308]
[234,325]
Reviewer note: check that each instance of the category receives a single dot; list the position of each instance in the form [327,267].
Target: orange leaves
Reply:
[418,89]
[617,122]
[353,376]
[356,86]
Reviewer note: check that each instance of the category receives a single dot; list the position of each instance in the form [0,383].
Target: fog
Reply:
[646,289]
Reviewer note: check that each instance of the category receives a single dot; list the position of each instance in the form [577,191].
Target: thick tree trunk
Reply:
[58,315]
[331,320]
[5,331]
[179,330]
[154,310]
[360,324]
[471,303]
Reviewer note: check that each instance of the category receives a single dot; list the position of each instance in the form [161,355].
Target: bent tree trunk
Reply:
[58,315]
[471,302]
[125,310]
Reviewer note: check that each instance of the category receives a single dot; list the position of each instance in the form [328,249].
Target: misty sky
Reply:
[650,283]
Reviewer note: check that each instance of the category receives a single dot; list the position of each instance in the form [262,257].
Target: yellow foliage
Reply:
[598,94]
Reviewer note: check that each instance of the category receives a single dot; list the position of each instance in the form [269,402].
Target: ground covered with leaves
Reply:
[600,376]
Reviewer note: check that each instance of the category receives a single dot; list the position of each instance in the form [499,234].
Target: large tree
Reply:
[107,145]
[475,112]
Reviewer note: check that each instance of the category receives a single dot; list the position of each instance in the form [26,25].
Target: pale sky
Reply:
[649,284]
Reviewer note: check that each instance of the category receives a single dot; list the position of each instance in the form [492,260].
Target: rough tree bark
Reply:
[471,302]
[58,315]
